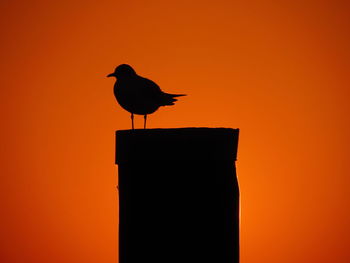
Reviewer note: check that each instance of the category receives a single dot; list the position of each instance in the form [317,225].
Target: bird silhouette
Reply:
[139,95]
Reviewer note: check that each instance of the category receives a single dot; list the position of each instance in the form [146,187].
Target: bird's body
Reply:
[139,95]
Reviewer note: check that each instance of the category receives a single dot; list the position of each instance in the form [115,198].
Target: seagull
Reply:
[139,95]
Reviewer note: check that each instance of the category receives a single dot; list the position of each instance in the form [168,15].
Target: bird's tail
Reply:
[170,98]
[176,95]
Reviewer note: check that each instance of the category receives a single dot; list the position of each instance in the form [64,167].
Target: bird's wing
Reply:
[153,92]
[150,89]
[150,85]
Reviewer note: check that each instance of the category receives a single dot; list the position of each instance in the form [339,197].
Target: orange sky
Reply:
[278,70]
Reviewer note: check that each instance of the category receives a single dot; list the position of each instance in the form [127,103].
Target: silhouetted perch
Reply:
[178,194]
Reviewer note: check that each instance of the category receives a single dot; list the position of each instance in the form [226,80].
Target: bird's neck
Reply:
[127,78]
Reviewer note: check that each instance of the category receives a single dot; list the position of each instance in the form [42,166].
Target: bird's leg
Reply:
[132,120]
[144,124]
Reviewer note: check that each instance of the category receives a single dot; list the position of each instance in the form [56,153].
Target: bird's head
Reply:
[123,70]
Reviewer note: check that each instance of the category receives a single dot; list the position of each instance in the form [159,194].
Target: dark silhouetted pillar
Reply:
[179,196]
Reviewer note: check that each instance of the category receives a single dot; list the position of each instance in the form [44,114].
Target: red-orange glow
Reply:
[278,70]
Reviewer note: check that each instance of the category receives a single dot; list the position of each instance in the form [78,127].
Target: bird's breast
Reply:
[132,99]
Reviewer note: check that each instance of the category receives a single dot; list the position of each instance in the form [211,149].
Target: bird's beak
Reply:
[110,75]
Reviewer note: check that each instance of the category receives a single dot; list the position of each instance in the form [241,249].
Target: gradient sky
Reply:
[278,70]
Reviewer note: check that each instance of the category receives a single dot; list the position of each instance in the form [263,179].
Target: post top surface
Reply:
[178,144]
[172,131]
